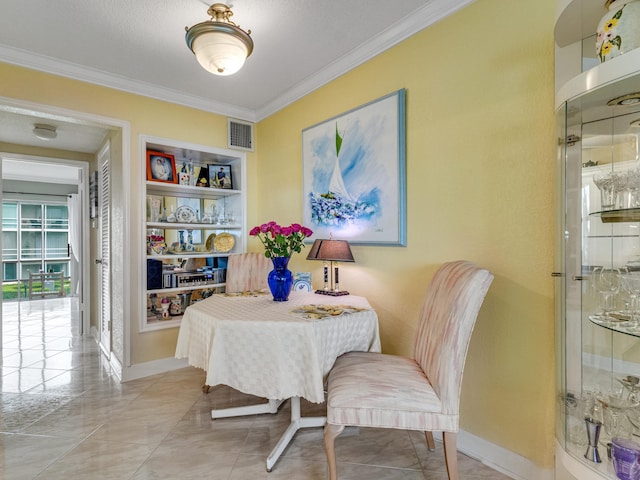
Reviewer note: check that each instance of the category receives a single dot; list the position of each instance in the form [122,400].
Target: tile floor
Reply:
[64,416]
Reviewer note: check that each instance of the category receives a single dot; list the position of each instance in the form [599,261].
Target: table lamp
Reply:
[333,251]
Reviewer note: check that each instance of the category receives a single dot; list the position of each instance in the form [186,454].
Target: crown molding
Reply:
[431,13]
[426,16]
[74,71]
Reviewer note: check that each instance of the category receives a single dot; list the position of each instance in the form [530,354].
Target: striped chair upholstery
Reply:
[420,393]
[247,272]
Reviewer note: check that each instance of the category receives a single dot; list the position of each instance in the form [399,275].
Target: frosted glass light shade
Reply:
[219,52]
[44,131]
[220,46]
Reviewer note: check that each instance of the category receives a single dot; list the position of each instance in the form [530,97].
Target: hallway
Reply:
[64,416]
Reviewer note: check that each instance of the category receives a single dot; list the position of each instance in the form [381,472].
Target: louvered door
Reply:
[104,261]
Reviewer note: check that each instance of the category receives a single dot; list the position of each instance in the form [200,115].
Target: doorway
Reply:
[45,236]
[79,137]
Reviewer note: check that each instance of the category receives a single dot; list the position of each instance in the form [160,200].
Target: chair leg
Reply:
[450,454]
[431,443]
[330,434]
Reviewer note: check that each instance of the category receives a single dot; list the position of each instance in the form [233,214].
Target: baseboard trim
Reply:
[568,466]
[154,367]
[504,461]
[114,363]
[116,366]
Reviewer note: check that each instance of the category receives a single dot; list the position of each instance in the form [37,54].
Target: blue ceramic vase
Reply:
[280,279]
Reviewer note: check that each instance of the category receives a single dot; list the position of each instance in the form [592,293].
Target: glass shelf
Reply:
[193,226]
[615,324]
[619,215]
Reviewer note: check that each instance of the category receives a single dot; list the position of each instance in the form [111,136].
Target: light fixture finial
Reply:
[219,12]
[220,46]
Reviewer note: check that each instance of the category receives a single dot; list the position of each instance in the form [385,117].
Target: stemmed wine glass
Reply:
[607,282]
[634,186]
[630,282]
[627,286]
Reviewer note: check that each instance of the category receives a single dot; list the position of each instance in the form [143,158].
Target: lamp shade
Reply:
[331,250]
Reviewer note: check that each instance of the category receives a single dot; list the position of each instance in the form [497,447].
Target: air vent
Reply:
[240,135]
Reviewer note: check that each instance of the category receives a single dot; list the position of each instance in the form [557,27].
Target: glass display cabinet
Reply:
[598,248]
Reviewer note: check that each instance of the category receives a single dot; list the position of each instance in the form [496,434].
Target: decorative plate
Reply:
[185,214]
[224,242]
[209,243]
[301,286]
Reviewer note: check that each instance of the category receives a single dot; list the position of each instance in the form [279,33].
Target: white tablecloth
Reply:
[260,347]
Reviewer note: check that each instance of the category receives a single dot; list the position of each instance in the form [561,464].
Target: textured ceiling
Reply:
[138,46]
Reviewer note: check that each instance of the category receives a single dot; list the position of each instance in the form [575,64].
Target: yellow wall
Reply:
[146,116]
[480,169]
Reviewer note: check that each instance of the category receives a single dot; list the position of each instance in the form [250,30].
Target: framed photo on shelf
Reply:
[220,176]
[161,167]
[203,177]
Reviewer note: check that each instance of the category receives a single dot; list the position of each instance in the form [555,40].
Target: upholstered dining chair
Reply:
[247,272]
[422,393]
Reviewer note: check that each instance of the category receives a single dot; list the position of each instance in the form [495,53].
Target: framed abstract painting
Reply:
[354,174]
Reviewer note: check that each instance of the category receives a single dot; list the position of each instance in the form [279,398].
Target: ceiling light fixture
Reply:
[220,46]
[629,99]
[44,131]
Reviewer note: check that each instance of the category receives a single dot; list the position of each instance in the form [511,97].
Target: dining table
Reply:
[275,350]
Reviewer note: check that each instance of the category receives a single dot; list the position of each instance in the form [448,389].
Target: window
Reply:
[9,232]
[31,216]
[10,216]
[57,217]
[56,244]
[9,246]
[30,244]
[10,271]
[35,238]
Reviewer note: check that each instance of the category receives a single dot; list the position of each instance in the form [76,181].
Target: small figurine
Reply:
[164,303]
[175,307]
[184,176]
[152,298]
